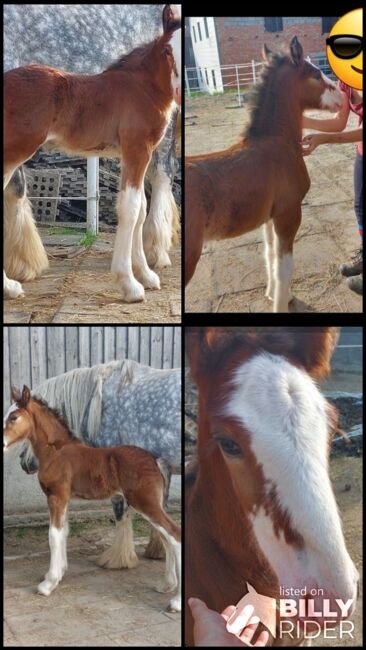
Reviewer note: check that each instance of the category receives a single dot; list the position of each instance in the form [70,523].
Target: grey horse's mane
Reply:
[77,395]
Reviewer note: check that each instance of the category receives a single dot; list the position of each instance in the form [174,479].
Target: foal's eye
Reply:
[229,447]
[12,418]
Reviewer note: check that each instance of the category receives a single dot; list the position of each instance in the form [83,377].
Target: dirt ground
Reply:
[92,606]
[78,288]
[230,276]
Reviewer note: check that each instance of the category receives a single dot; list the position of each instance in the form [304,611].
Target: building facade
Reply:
[224,41]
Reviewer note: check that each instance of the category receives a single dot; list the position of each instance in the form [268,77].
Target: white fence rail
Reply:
[34,354]
[236,77]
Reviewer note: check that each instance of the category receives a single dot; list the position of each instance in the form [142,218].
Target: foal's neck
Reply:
[280,114]
[48,432]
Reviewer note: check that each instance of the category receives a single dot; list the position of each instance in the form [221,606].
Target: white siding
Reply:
[206,54]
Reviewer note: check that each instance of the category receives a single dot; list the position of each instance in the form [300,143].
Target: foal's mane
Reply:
[55,413]
[140,56]
[264,90]
[133,59]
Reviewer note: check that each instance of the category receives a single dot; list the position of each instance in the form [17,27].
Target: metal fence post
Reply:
[92,209]
[238,85]
[187,81]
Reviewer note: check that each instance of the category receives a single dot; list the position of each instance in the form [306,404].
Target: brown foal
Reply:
[262,179]
[122,113]
[260,512]
[69,469]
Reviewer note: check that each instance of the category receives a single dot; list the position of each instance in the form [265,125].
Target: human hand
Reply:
[311,141]
[210,628]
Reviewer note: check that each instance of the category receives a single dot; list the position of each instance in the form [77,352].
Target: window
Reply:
[327,24]
[199,31]
[206,28]
[194,34]
[206,75]
[273,24]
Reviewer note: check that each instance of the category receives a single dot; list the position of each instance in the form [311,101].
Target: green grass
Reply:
[21,533]
[54,230]
[77,528]
[87,240]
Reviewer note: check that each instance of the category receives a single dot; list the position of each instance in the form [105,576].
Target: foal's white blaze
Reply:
[176,43]
[11,409]
[285,415]
[331,97]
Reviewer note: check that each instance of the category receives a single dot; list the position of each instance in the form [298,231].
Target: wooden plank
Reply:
[15,316]
[6,369]
[109,344]
[133,343]
[38,355]
[84,346]
[71,348]
[156,347]
[96,347]
[121,342]
[20,369]
[177,347]
[145,345]
[167,347]
[55,350]
[33,354]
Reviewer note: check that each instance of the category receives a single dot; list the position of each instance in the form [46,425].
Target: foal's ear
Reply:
[205,348]
[313,347]
[267,54]
[297,53]
[15,394]
[171,19]
[26,395]
[197,347]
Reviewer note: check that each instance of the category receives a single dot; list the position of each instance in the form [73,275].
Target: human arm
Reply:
[333,124]
[313,140]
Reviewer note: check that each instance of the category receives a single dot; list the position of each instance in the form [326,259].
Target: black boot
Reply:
[355,284]
[355,267]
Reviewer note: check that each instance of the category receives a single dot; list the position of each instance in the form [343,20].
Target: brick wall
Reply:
[241,39]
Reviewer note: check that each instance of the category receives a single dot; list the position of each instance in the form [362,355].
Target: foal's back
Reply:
[90,473]
[225,190]
[69,110]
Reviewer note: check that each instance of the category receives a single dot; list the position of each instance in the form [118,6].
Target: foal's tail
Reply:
[165,470]
[24,255]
